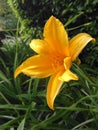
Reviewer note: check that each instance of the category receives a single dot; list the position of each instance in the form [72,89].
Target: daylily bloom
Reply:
[55,54]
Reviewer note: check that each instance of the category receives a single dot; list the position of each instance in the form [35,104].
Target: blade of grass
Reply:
[83,123]
[21,125]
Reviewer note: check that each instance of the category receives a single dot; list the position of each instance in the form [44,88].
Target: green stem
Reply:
[82,74]
[44,123]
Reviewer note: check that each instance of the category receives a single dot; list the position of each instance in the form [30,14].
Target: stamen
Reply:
[57,61]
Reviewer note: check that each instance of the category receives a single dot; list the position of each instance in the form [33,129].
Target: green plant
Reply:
[7,19]
[39,11]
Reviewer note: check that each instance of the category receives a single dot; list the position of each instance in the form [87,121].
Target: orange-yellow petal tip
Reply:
[17,72]
[93,40]
[52,17]
[50,102]
[53,89]
[77,44]
[68,76]
[15,75]
[51,106]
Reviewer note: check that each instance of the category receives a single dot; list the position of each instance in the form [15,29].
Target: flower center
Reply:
[57,61]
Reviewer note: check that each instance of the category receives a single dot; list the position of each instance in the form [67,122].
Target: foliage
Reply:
[39,11]
[7,18]
[22,100]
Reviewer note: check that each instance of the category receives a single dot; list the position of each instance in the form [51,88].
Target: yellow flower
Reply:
[55,54]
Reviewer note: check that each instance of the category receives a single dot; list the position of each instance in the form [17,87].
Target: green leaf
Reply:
[21,126]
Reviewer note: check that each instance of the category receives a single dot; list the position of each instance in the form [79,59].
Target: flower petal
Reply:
[39,46]
[77,44]
[53,89]
[67,63]
[36,66]
[56,36]
[67,76]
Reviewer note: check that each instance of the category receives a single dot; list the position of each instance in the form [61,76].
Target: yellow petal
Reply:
[36,66]
[67,76]
[56,36]
[39,46]
[67,63]
[53,89]
[77,44]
